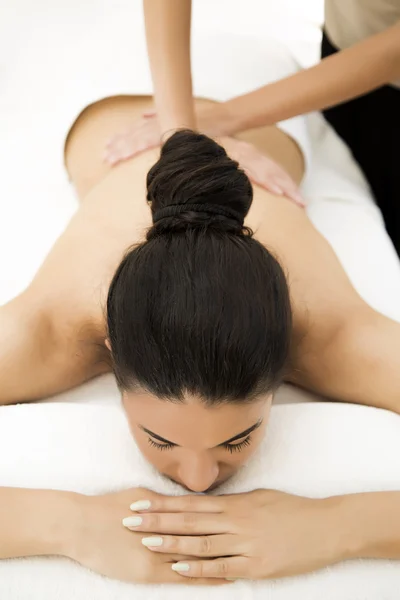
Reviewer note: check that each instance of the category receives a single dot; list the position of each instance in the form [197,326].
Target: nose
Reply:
[198,472]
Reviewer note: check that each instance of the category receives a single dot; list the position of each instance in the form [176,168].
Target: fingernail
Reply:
[140,505]
[132,521]
[152,541]
[180,567]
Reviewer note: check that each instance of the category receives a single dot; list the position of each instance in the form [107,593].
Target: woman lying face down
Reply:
[199,320]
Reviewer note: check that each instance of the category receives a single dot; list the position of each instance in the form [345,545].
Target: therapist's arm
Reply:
[337,78]
[168,44]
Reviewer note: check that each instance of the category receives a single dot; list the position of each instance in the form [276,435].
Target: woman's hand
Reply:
[260,169]
[261,534]
[98,540]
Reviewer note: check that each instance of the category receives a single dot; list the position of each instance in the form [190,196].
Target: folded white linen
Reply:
[311,449]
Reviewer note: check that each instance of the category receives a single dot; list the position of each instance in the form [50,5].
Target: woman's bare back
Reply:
[71,286]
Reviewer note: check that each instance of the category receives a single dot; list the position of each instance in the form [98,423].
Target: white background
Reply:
[45,56]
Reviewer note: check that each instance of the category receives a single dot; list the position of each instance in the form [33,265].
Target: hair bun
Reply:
[195,184]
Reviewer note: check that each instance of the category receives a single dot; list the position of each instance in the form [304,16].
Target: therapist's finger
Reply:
[279,187]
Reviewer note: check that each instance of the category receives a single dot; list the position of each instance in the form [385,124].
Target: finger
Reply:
[289,188]
[122,137]
[111,141]
[180,504]
[115,152]
[273,188]
[114,159]
[211,546]
[166,575]
[178,523]
[236,567]
[297,198]
[119,153]
[291,191]
[111,159]
[266,184]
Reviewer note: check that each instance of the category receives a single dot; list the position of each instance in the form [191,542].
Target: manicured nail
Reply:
[180,567]
[132,521]
[140,505]
[151,542]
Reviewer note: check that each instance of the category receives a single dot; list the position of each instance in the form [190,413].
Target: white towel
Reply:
[309,449]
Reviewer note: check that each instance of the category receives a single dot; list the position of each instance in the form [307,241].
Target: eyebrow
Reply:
[232,439]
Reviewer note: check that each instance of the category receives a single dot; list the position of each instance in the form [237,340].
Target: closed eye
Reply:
[230,447]
[238,447]
[160,446]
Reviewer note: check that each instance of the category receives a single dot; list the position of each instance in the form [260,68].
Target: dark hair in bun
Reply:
[193,170]
[200,307]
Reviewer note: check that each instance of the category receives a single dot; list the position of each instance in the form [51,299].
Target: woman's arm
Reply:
[168,44]
[373,524]
[357,361]
[37,358]
[34,522]
[345,75]
[87,529]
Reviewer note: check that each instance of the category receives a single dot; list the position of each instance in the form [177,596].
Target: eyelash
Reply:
[238,447]
[159,446]
[230,447]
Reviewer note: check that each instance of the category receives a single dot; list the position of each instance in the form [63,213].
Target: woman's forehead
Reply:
[192,422]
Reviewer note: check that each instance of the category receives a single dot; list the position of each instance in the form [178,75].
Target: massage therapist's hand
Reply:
[256,535]
[145,133]
[99,541]
[260,169]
